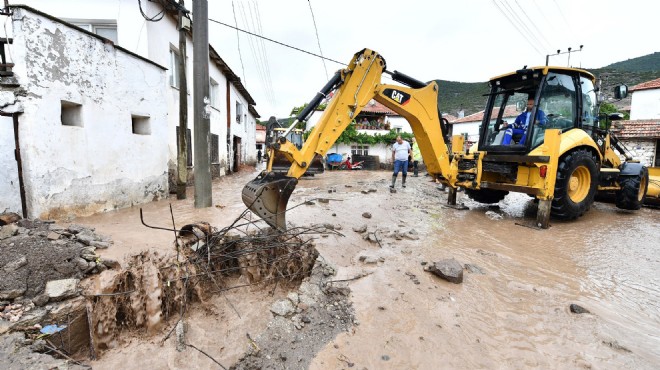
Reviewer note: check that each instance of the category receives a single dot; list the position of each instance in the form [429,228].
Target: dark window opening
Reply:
[71,114]
[141,125]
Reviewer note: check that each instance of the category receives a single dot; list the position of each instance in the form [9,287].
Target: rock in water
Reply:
[448,269]
[578,309]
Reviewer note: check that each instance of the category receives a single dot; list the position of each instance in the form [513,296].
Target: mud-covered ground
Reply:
[512,309]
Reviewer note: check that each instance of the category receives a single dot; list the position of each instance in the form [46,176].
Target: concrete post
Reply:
[202,104]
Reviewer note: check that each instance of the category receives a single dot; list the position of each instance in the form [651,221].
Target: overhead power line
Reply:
[516,18]
[276,42]
[238,42]
[538,31]
[317,39]
[516,27]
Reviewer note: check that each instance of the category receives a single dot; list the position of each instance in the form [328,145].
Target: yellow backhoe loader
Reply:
[562,155]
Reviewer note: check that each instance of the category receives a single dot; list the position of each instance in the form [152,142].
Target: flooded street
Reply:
[511,312]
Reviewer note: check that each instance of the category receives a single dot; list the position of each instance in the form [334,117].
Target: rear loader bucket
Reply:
[268,195]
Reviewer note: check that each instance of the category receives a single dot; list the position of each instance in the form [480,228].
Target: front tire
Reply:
[633,190]
[486,196]
[576,184]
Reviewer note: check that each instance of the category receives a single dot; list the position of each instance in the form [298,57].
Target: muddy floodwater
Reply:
[511,311]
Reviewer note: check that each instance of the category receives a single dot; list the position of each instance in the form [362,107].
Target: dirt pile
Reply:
[42,262]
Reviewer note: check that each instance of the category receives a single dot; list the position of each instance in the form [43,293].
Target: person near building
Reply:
[416,157]
[400,152]
[259,156]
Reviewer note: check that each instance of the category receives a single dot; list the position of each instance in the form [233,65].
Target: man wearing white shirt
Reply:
[400,152]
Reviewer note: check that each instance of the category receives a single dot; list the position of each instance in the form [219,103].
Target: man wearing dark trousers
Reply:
[400,152]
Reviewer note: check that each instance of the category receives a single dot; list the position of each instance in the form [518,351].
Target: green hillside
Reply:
[646,63]
[456,95]
[469,96]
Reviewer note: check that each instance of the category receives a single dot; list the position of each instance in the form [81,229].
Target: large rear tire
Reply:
[576,185]
[633,189]
[486,196]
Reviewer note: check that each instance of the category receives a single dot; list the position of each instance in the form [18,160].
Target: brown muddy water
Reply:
[513,315]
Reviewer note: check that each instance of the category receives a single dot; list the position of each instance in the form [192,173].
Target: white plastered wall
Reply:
[100,165]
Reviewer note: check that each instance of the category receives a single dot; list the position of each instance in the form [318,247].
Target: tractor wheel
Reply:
[576,185]
[633,189]
[487,196]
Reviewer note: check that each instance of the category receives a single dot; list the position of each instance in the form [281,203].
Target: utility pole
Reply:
[182,155]
[201,101]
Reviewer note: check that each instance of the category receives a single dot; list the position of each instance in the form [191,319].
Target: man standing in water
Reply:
[400,152]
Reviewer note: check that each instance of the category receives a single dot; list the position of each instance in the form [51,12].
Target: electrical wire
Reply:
[238,42]
[256,56]
[263,48]
[516,27]
[318,40]
[278,42]
[156,17]
[517,18]
[538,31]
[261,51]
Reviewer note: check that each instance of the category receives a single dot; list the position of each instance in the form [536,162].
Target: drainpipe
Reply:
[19,162]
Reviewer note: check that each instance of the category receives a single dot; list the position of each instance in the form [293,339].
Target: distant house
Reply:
[470,125]
[641,134]
[645,102]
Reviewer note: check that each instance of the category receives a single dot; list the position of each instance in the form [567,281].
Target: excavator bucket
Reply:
[268,195]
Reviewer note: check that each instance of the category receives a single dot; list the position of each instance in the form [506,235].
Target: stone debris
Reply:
[493,215]
[360,229]
[474,269]
[578,309]
[58,290]
[448,269]
[366,215]
[369,260]
[43,262]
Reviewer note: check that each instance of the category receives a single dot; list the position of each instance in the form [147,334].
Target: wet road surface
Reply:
[514,315]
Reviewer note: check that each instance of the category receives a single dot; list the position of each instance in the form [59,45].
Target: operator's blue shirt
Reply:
[522,121]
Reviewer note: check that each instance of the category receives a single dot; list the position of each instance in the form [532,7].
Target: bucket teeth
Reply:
[268,195]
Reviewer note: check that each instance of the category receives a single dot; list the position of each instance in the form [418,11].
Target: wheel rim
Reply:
[642,188]
[579,184]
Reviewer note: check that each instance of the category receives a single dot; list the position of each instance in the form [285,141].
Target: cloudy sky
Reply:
[468,40]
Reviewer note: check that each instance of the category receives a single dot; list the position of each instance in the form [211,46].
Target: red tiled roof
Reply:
[637,129]
[509,111]
[375,107]
[653,84]
[449,117]
[261,128]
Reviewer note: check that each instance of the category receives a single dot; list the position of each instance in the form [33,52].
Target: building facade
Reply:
[90,120]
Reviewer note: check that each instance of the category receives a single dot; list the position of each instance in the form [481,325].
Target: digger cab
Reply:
[523,104]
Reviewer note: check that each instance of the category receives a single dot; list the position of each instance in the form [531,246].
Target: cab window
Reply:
[557,106]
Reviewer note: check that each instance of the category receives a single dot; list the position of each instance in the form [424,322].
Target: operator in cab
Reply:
[518,130]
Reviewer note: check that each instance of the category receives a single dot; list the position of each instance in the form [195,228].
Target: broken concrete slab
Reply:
[448,269]
[61,289]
